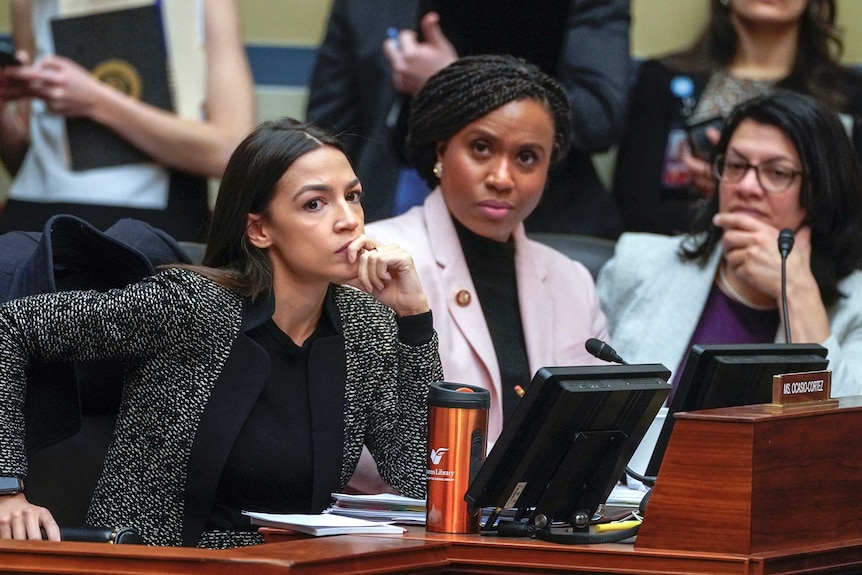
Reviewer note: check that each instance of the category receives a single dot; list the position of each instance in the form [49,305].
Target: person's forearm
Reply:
[201,147]
[198,147]
[14,136]
[15,117]
[809,322]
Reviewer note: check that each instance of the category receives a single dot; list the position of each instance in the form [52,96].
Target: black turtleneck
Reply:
[492,268]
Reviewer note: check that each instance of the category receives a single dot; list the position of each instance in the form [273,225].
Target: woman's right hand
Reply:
[702,175]
[20,519]
[13,86]
[413,62]
[388,273]
[67,88]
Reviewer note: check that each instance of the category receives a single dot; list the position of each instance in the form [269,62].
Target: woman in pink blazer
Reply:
[483,133]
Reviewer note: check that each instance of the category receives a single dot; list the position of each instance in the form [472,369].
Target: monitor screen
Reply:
[567,443]
[724,375]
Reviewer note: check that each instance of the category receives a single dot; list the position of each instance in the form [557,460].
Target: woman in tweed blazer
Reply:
[254,380]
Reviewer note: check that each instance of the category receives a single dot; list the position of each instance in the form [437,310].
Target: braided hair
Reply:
[470,88]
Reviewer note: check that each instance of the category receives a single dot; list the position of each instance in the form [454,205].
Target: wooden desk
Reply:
[752,454]
[344,554]
[415,552]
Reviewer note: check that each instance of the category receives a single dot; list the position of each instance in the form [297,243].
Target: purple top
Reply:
[725,320]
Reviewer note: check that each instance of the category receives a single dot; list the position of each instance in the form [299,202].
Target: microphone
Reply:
[598,348]
[785,241]
[785,244]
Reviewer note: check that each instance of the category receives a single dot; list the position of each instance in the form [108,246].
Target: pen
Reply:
[618,526]
[392,33]
[395,110]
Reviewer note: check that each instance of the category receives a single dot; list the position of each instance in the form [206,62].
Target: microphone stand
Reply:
[785,244]
[784,297]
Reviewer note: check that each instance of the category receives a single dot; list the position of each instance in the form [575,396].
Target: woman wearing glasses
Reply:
[747,48]
[783,161]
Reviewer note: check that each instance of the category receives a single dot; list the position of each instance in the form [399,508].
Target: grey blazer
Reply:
[193,376]
[653,301]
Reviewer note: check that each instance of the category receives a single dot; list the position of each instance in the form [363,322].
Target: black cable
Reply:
[526,529]
[648,480]
[643,504]
[784,298]
[586,538]
[785,244]
[515,529]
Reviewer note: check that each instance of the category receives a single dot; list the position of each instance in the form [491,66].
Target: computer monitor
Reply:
[567,442]
[721,375]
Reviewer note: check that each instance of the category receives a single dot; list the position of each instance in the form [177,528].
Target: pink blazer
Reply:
[559,305]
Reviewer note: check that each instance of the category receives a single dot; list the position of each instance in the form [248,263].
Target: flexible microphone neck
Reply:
[785,244]
[601,350]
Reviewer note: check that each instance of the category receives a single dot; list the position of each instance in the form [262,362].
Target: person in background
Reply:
[748,48]
[484,133]
[170,190]
[583,43]
[783,161]
[254,379]
[351,95]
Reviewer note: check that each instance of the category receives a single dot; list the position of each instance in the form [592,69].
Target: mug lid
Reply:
[448,394]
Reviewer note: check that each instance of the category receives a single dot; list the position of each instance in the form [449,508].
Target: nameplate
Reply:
[789,389]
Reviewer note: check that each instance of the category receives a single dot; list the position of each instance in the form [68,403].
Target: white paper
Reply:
[70,8]
[380,499]
[321,524]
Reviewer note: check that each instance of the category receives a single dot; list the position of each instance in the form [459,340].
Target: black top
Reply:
[492,268]
[270,466]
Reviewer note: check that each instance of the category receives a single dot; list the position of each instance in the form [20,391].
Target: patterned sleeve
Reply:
[132,324]
[394,376]
[405,462]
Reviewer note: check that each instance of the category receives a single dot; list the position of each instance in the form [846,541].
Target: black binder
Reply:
[126,49]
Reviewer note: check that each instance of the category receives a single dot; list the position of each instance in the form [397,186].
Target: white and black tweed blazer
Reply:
[193,375]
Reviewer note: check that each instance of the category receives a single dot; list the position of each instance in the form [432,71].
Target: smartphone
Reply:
[7,55]
[700,145]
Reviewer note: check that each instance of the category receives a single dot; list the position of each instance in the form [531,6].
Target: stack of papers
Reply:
[380,507]
[623,496]
[322,524]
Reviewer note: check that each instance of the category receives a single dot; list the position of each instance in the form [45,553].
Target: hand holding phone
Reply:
[701,145]
[7,55]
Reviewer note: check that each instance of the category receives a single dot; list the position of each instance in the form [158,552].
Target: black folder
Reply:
[126,49]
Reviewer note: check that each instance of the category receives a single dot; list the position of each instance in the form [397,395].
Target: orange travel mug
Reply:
[457,439]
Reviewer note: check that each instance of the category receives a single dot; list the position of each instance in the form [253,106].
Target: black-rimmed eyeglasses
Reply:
[775,177]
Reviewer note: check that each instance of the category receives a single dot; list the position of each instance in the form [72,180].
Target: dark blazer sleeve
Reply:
[333,101]
[594,69]
[351,92]
[853,90]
